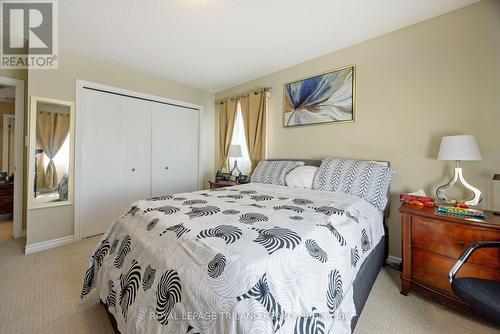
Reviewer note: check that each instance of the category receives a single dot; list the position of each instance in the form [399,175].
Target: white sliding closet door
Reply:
[115,158]
[135,138]
[99,156]
[174,149]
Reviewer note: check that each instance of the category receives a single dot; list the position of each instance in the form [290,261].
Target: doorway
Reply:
[11,151]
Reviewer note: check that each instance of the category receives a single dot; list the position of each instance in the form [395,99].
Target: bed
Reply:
[249,258]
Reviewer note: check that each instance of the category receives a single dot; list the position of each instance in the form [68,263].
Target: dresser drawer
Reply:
[451,239]
[432,270]
[9,199]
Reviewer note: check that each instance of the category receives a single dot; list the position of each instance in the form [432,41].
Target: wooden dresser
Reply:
[432,243]
[221,184]
[6,198]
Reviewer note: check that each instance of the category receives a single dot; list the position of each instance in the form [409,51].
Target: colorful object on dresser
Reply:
[461,204]
[452,210]
[418,198]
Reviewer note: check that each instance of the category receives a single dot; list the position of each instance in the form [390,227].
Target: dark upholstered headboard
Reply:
[317,163]
[308,162]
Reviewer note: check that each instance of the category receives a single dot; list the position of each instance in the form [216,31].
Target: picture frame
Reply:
[328,97]
[222,176]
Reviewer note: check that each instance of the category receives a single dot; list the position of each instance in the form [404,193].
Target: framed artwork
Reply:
[324,98]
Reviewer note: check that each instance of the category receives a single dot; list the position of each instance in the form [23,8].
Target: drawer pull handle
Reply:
[460,243]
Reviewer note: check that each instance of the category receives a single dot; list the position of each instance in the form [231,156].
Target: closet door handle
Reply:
[133,169]
[166,167]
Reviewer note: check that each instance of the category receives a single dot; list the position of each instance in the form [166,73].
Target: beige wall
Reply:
[414,85]
[14,74]
[51,223]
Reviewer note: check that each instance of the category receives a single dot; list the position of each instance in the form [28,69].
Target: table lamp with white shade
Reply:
[235,152]
[459,148]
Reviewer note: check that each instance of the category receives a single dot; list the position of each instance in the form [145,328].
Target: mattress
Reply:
[239,259]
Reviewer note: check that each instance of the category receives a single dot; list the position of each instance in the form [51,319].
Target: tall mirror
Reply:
[51,152]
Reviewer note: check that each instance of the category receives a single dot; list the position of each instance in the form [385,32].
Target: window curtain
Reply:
[254,109]
[40,170]
[51,131]
[227,117]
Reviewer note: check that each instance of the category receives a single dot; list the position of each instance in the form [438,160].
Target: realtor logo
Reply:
[29,34]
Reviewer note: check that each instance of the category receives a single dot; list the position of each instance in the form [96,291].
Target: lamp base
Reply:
[235,167]
[441,191]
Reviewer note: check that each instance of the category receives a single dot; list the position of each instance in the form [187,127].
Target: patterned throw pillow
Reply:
[364,179]
[274,172]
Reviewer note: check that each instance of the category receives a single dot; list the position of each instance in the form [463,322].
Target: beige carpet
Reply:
[40,293]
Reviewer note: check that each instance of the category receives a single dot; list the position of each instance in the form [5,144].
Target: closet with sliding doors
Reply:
[131,148]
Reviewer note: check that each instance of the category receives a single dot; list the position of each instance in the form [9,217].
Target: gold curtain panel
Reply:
[227,117]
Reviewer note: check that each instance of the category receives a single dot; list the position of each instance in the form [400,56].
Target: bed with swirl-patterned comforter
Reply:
[251,258]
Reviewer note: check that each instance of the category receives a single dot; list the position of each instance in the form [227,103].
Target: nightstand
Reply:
[221,184]
[432,243]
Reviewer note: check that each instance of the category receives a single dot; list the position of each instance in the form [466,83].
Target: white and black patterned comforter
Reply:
[251,258]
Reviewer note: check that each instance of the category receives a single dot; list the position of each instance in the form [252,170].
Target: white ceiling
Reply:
[217,44]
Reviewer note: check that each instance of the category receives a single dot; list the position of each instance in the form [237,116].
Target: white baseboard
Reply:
[393,259]
[44,245]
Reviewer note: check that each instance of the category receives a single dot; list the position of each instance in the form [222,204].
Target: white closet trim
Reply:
[81,85]
[18,152]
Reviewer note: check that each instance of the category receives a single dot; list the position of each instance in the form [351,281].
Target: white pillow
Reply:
[301,177]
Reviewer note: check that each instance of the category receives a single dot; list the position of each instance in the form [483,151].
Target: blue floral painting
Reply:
[324,98]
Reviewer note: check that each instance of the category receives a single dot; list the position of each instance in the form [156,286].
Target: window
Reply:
[61,160]
[244,163]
